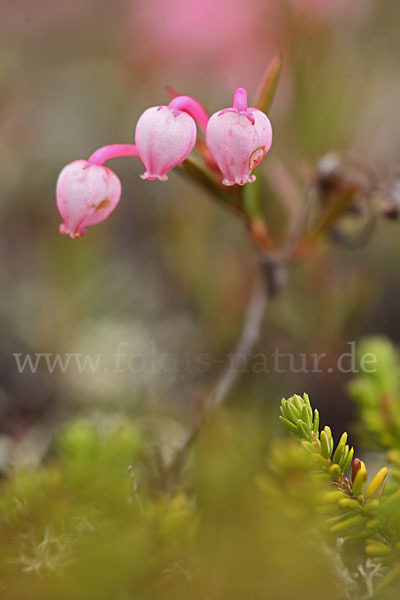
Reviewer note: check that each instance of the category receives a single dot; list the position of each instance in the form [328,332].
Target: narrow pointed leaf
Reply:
[266,92]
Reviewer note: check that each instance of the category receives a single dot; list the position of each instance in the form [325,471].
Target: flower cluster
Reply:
[237,139]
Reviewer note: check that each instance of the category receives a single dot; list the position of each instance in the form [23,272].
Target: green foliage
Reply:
[76,528]
[354,510]
[354,506]
[82,527]
[377,394]
[298,416]
[257,517]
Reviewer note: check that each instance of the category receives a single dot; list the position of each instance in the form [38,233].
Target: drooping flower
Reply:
[238,139]
[164,138]
[86,195]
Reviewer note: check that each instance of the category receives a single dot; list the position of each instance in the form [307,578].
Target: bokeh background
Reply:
[170,273]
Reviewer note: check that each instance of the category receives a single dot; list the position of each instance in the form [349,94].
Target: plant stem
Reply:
[192,107]
[248,338]
[113,151]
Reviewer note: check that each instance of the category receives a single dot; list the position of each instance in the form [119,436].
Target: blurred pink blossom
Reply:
[227,38]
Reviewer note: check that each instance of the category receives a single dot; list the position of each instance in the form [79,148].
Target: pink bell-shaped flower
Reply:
[238,139]
[86,195]
[164,138]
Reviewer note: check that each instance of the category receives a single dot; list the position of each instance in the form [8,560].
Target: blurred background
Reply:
[168,275]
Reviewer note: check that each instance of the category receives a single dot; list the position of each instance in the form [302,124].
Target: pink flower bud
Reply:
[86,195]
[164,138]
[238,139]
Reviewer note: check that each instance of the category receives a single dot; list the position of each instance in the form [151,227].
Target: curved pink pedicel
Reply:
[192,107]
[106,153]
[238,138]
[164,138]
[86,195]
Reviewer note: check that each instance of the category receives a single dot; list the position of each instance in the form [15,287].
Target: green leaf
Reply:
[316,422]
[347,524]
[349,503]
[304,429]
[289,425]
[335,472]
[269,83]
[347,461]
[324,445]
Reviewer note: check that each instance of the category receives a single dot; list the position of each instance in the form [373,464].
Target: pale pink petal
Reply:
[164,138]
[238,139]
[86,195]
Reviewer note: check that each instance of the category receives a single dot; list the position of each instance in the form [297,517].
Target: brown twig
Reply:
[268,283]
[247,340]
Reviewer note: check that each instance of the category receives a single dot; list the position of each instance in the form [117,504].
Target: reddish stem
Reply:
[113,151]
[192,107]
